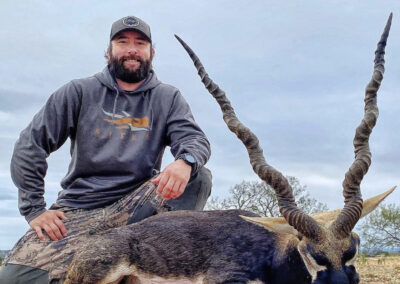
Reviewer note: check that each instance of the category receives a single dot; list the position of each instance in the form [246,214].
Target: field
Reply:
[379,269]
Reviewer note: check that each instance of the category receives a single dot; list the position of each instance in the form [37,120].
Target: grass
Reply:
[380,269]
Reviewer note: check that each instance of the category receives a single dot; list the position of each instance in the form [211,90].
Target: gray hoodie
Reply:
[117,140]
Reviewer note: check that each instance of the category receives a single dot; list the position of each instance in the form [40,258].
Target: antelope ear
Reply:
[278,224]
[368,206]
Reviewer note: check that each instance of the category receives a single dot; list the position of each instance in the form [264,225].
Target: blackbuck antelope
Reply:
[236,246]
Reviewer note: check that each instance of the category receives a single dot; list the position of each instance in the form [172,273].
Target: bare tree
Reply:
[381,229]
[260,198]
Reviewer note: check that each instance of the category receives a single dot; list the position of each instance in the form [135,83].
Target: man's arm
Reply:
[49,129]
[185,137]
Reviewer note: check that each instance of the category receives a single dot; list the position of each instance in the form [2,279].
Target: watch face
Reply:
[190,158]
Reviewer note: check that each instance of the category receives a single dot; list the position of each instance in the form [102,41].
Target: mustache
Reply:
[131,57]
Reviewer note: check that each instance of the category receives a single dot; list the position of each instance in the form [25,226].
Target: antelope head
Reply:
[325,241]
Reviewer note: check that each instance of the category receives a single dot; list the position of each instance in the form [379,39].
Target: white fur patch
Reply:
[312,266]
[140,277]
[118,272]
[353,261]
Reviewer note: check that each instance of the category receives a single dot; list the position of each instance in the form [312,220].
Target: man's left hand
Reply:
[173,179]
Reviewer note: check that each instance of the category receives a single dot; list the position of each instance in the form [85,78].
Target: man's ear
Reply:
[153,52]
[108,52]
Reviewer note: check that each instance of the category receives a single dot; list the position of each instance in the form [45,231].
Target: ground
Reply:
[379,269]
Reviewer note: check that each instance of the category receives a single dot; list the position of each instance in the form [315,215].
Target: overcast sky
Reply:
[295,71]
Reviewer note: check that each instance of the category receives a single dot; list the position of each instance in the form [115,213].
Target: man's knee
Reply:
[196,193]
[18,274]
[201,181]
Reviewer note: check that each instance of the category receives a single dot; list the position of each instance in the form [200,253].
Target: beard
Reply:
[116,66]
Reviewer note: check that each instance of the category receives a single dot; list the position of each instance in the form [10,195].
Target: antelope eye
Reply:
[350,254]
[321,259]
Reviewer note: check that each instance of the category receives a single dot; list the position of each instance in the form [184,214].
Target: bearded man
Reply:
[119,122]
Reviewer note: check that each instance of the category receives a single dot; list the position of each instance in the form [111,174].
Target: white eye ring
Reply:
[353,261]
[312,266]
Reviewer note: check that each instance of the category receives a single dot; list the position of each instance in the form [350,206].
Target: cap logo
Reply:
[130,22]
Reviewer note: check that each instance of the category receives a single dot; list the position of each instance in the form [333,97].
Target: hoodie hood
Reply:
[106,78]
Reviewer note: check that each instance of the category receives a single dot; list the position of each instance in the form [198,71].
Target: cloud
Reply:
[11,229]
[5,195]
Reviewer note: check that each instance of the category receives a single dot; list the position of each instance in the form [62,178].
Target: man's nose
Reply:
[132,49]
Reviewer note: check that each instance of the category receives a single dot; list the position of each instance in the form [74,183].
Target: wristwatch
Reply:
[188,159]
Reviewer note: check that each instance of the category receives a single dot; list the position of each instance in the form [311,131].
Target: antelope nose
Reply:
[332,277]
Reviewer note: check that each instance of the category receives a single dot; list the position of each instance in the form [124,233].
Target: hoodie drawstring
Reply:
[115,103]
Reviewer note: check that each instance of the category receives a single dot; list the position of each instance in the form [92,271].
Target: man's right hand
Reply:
[51,222]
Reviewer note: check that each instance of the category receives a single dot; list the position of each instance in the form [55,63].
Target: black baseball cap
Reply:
[130,23]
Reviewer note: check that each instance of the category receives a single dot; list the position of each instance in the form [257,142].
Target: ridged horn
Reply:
[352,210]
[284,193]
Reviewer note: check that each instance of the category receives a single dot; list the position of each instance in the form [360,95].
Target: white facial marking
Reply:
[353,261]
[312,266]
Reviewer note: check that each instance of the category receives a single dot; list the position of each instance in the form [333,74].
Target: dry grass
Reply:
[379,269]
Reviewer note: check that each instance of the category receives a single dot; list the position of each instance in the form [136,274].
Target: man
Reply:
[119,122]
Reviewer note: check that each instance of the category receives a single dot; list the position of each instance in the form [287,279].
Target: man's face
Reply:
[130,56]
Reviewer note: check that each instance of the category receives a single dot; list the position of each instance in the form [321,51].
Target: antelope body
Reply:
[236,246]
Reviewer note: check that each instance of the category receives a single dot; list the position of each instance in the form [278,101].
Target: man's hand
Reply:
[51,222]
[173,179]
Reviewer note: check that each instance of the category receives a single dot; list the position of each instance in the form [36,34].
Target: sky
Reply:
[295,72]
